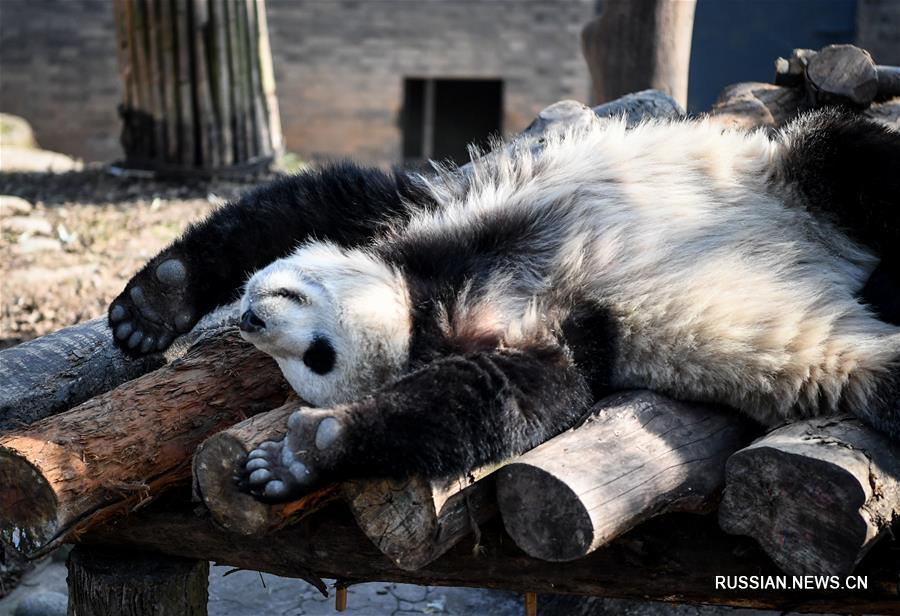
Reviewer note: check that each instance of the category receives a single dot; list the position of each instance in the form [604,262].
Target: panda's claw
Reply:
[155,306]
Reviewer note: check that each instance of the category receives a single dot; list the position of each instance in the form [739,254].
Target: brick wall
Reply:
[58,70]
[339,66]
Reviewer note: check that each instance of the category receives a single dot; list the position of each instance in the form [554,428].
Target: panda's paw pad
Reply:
[153,309]
[284,470]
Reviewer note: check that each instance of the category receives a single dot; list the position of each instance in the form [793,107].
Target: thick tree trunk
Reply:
[199,93]
[638,455]
[119,450]
[638,44]
[104,581]
[816,495]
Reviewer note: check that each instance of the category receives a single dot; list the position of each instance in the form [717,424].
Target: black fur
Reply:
[456,413]
[848,169]
[320,356]
[343,203]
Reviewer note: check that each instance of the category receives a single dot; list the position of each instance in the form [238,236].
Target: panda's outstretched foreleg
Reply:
[450,416]
[206,267]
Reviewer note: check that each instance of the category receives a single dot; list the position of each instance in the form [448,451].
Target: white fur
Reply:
[722,289]
[361,306]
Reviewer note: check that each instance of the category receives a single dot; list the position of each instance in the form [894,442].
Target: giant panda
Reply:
[439,322]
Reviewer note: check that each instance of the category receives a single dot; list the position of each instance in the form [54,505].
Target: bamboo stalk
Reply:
[221,69]
[268,79]
[170,79]
[187,154]
[261,134]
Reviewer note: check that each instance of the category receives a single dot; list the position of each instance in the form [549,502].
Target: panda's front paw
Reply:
[154,308]
[281,471]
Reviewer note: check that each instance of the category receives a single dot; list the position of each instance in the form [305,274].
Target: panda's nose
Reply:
[251,323]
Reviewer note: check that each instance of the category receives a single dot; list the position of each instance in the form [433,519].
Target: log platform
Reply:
[675,558]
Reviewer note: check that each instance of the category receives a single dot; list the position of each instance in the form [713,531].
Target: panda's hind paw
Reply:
[153,309]
[281,471]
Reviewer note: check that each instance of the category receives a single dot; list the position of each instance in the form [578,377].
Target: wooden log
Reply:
[638,455]
[816,495]
[751,105]
[791,72]
[640,106]
[887,112]
[104,581]
[53,373]
[47,375]
[119,450]
[412,521]
[674,558]
[841,74]
[217,460]
[637,44]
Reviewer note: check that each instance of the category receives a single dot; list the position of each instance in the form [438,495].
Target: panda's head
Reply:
[336,321]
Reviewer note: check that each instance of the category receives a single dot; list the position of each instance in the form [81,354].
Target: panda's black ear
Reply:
[320,355]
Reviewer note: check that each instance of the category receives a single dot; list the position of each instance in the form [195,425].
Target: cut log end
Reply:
[536,500]
[816,495]
[406,540]
[787,493]
[28,503]
[218,459]
[215,464]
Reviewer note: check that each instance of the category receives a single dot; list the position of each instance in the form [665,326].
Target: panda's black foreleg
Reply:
[449,417]
[847,168]
[207,266]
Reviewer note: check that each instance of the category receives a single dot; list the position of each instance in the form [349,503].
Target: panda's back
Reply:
[721,284]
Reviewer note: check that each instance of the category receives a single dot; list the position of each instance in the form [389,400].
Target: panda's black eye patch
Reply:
[320,356]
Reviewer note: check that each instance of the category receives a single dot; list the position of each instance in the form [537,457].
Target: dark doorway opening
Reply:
[441,117]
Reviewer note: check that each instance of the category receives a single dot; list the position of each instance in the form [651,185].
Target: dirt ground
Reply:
[86,234]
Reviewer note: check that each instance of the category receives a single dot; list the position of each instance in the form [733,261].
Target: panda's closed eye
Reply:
[295,296]
[320,356]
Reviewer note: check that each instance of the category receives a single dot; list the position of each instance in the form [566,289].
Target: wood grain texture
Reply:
[816,495]
[638,455]
[841,74]
[673,558]
[412,521]
[104,581]
[218,459]
[199,92]
[119,450]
